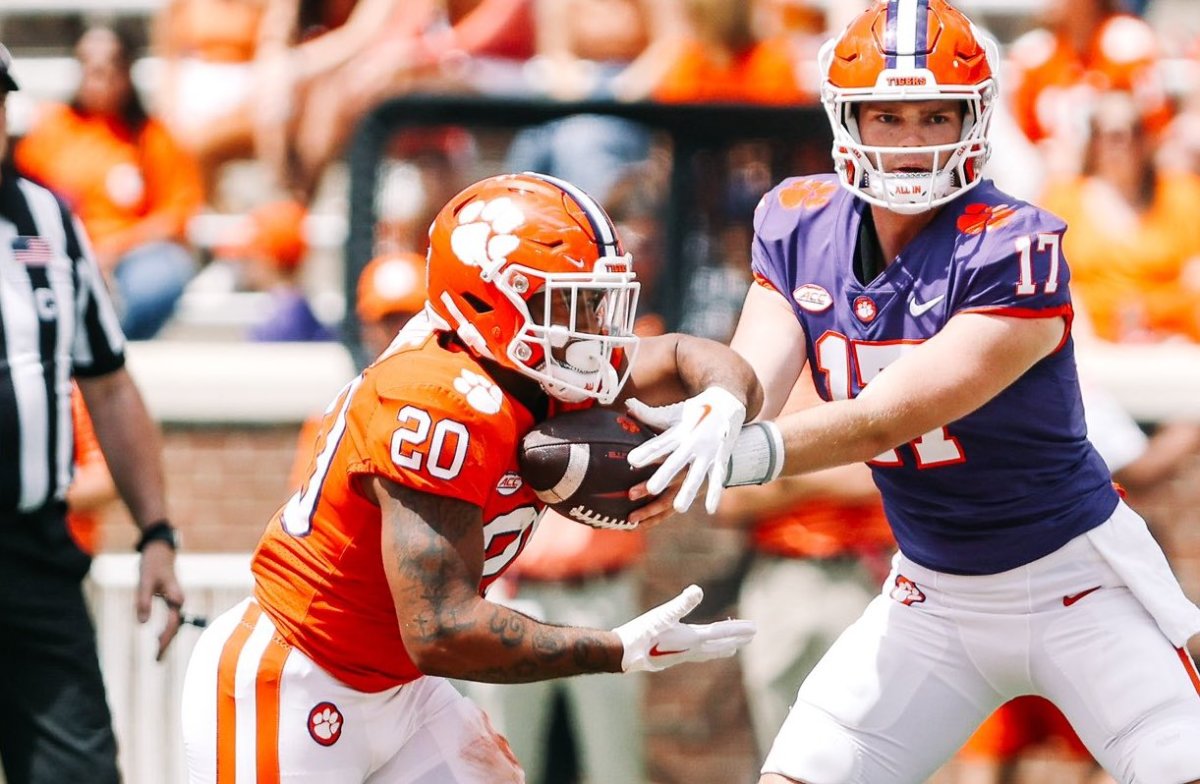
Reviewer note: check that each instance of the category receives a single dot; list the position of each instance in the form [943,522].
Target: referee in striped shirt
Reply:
[56,322]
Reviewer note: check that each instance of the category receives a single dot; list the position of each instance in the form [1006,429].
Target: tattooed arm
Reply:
[433,558]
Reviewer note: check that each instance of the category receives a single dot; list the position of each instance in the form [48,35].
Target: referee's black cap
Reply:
[7,82]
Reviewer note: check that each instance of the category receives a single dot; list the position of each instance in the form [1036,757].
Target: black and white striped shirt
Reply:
[56,321]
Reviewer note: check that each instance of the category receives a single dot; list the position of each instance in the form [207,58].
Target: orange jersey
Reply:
[425,416]
[84,526]
[112,179]
[764,74]
[1126,268]
[1055,83]
[224,31]
[825,528]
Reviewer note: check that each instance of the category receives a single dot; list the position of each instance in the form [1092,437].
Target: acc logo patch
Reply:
[812,298]
[509,483]
[325,723]
[906,591]
[978,218]
[809,194]
[865,309]
[482,395]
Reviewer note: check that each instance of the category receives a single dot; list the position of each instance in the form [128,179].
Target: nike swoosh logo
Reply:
[918,309]
[1069,600]
[656,652]
[707,411]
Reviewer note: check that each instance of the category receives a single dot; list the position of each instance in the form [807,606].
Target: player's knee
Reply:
[1170,755]
[812,749]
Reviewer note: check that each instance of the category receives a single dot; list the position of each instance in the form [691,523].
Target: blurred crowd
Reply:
[1100,124]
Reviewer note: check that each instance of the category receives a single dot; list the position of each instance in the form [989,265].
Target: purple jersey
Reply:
[1006,484]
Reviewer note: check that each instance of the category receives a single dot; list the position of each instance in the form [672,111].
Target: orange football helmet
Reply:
[391,283]
[909,50]
[528,271]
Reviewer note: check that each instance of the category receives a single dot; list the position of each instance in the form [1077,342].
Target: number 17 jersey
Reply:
[1006,484]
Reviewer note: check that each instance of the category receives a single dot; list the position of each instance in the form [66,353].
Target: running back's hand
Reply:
[658,639]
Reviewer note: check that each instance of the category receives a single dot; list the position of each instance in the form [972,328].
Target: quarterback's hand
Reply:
[699,431]
[657,640]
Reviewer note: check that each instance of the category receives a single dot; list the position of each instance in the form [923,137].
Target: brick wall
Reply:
[223,485]
[226,481]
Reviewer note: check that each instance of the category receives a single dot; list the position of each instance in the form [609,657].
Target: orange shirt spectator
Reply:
[1133,232]
[1087,48]
[1126,267]
[126,178]
[126,186]
[765,73]
[92,487]
[722,61]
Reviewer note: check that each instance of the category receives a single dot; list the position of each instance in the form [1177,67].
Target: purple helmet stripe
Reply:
[889,32]
[921,46]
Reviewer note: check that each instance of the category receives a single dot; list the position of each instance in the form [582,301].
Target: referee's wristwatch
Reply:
[161,531]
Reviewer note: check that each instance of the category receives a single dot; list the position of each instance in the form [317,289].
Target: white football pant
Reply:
[932,656]
[261,712]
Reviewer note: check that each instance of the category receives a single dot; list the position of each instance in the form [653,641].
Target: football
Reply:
[576,464]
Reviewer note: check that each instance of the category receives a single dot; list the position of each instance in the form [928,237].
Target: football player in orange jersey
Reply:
[369,580]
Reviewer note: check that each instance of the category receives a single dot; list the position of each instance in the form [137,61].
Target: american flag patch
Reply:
[32,251]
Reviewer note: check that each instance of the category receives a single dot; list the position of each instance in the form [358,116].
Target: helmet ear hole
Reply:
[477,304]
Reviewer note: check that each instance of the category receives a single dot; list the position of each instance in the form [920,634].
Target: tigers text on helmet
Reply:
[909,50]
[528,271]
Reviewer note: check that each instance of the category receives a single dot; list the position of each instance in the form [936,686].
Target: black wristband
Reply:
[160,531]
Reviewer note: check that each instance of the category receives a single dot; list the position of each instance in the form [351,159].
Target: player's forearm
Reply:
[705,363]
[494,644]
[836,434]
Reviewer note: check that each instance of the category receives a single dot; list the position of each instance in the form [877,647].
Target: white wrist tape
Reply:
[757,455]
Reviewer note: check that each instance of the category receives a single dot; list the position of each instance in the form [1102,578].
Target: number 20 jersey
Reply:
[426,416]
[1015,479]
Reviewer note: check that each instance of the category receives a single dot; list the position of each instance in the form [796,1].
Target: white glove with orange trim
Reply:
[657,640]
[699,431]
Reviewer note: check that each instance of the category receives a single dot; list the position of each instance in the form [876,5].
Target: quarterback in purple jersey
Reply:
[936,314]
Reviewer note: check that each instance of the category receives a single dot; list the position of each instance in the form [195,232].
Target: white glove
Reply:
[657,640]
[700,431]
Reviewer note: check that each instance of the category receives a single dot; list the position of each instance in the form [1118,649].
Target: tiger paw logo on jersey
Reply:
[978,218]
[865,309]
[483,237]
[482,395]
[809,194]
[906,591]
[325,723]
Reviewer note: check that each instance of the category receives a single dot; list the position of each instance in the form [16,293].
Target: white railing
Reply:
[144,694]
